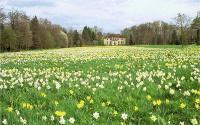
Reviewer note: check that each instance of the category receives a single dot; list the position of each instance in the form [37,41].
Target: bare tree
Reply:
[182,22]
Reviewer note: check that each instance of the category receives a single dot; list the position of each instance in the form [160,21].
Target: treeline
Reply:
[20,32]
[183,31]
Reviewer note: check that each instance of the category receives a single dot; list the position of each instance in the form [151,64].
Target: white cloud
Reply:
[111,15]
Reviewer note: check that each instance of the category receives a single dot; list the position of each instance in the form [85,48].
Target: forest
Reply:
[21,32]
[182,31]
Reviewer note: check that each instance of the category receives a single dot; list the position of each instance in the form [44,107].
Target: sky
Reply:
[110,15]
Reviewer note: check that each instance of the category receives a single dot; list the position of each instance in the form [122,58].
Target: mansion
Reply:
[114,40]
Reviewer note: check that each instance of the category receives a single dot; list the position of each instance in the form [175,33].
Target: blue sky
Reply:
[110,15]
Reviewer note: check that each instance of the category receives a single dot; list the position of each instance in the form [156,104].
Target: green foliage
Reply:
[35,28]
[32,34]
[9,39]
[76,38]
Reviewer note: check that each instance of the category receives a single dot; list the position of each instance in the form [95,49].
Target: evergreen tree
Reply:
[76,38]
[131,39]
[86,35]
[35,27]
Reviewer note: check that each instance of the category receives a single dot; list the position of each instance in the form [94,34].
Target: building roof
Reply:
[114,35]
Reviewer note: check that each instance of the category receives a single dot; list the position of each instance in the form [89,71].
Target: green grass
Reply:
[162,46]
[122,76]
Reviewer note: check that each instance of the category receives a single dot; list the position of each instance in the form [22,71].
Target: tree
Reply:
[196,26]
[182,23]
[46,38]
[35,27]
[174,38]
[76,38]
[9,39]
[2,18]
[131,40]
[19,22]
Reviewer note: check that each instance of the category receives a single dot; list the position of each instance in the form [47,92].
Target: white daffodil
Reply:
[96,115]
[124,116]
[71,120]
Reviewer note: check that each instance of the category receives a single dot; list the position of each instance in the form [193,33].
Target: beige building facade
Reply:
[114,40]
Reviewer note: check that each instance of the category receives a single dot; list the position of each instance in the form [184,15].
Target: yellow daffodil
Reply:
[136,108]
[27,106]
[197,101]
[157,102]
[182,105]
[60,113]
[80,104]
[9,109]
[197,106]
[148,97]
[43,95]
[71,92]
[115,113]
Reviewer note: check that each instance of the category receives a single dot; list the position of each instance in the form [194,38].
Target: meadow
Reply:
[101,86]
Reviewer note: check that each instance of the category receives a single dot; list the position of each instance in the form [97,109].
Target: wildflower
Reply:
[60,113]
[194,121]
[56,103]
[52,118]
[80,104]
[91,101]
[115,113]
[96,115]
[103,104]
[71,92]
[171,91]
[88,98]
[197,106]
[167,101]
[27,106]
[153,118]
[197,101]
[4,122]
[122,123]
[182,105]
[136,108]
[43,95]
[148,97]
[62,121]
[71,120]
[182,123]
[23,121]
[44,118]
[108,103]
[124,116]
[17,112]
[9,109]
[157,102]
[58,85]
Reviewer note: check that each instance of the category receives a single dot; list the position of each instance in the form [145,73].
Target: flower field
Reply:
[101,86]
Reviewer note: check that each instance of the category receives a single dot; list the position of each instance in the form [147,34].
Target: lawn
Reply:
[140,85]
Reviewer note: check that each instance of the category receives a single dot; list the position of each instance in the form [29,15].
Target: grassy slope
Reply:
[83,69]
